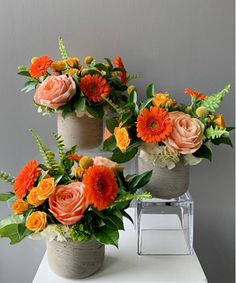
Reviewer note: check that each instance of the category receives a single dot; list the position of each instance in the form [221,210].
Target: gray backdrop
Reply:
[175,43]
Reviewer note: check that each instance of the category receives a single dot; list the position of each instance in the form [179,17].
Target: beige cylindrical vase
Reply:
[85,132]
[166,183]
[75,259]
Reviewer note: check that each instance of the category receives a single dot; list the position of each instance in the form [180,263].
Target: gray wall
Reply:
[175,43]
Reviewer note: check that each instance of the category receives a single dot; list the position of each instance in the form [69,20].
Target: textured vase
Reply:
[75,259]
[166,183]
[85,132]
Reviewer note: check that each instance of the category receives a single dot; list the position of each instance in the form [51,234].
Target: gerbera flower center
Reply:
[154,125]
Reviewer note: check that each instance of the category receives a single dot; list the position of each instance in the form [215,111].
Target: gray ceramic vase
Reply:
[75,260]
[83,131]
[166,183]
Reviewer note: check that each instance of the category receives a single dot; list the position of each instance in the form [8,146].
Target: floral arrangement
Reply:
[68,86]
[75,196]
[166,131]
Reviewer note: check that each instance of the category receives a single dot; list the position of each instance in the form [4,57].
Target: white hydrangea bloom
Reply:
[52,232]
[159,155]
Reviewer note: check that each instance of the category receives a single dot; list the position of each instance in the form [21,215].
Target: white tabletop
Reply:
[123,265]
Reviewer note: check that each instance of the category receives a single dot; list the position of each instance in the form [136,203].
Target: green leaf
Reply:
[15,232]
[122,157]
[127,197]
[96,111]
[224,140]
[134,77]
[139,181]
[6,177]
[62,48]
[10,201]
[80,104]
[133,97]
[6,196]
[230,129]
[109,144]
[145,103]
[203,152]
[109,63]
[213,102]
[111,123]
[106,235]
[150,91]
[215,132]
[116,83]
[125,214]
[101,66]
[24,73]
[114,222]
[11,219]
[29,85]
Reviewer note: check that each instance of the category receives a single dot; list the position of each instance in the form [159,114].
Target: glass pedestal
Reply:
[165,227]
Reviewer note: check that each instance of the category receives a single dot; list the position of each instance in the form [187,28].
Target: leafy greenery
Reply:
[107,236]
[6,196]
[81,232]
[213,102]
[215,132]
[62,48]
[203,152]
[6,177]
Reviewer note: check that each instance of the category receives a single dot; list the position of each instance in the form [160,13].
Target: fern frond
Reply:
[213,102]
[118,109]
[60,145]
[64,53]
[6,177]
[215,132]
[134,77]
[47,154]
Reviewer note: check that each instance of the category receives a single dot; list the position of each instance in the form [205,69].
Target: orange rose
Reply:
[20,206]
[78,172]
[33,199]
[122,138]
[163,100]
[68,203]
[58,65]
[37,221]
[219,120]
[46,188]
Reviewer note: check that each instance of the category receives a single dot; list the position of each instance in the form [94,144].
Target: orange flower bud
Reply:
[163,100]
[78,172]
[73,62]
[219,120]
[58,65]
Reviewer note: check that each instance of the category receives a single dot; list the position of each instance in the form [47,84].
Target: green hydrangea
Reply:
[80,232]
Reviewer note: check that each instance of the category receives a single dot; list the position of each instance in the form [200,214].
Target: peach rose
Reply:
[46,188]
[20,206]
[37,221]
[55,91]
[33,198]
[99,160]
[187,134]
[68,203]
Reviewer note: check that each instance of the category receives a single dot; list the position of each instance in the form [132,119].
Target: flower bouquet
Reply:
[75,202]
[168,136]
[76,92]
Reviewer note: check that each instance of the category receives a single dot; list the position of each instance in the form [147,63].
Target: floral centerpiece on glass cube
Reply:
[168,136]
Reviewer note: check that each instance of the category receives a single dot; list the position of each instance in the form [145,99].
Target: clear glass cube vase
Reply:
[165,227]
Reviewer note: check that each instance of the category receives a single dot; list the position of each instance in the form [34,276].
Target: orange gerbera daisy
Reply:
[94,87]
[24,182]
[40,66]
[119,64]
[101,187]
[195,93]
[154,125]
[75,157]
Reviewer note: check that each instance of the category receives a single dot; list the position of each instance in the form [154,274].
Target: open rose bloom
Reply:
[68,197]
